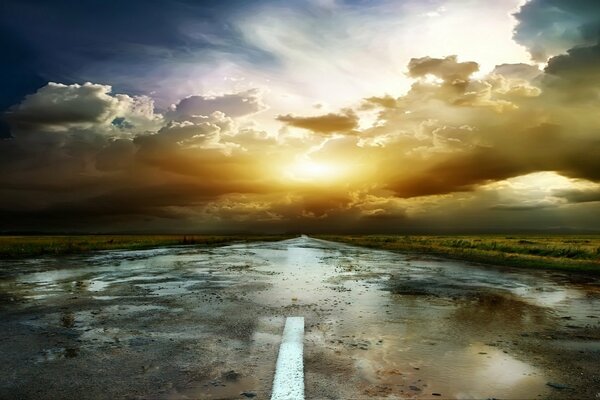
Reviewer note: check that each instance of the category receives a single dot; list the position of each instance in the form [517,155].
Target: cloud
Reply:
[579,195]
[579,62]
[523,207]
[518,71]
[461,172]
[60,108]
[186,134]
[575,76]
[117,155]
[326,123]
[448,69]
[233,105]
[456,87]
[550,27]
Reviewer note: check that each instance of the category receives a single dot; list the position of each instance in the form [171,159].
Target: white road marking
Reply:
[289,373]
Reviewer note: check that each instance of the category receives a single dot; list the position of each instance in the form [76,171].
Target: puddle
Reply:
[97,285]
[132,309]
[105,298]
[473,372]
[168,288]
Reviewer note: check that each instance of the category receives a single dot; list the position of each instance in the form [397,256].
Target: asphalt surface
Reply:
[206,323]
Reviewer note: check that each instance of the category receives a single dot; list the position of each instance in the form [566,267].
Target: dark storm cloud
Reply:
[147,200]
[550,27]
[462,172]
[522,207]
[580,62]
[579,196]
[118,43]
[566,34]
[575,76]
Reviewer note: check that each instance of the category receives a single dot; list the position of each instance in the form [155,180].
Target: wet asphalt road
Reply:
[205,323]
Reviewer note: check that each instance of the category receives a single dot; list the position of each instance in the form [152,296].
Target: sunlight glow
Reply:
[306,169]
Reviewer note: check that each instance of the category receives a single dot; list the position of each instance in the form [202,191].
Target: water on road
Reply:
[206,323]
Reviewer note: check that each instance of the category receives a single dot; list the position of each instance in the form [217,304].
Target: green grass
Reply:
[567,252]
[35,246]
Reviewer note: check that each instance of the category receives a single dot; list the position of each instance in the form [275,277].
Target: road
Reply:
[183,323]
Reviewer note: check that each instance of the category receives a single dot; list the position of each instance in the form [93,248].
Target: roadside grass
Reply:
[35,246]
[560,252]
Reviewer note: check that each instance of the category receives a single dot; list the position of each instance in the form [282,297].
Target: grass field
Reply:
[33,246]
[567,252]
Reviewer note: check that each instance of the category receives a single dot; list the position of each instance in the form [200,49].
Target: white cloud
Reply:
[352,52]
[61,108]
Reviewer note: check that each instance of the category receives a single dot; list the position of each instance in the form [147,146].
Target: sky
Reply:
[349,116]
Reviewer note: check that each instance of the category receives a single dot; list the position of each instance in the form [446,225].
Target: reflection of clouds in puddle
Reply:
[48,277]
[571,302]
[101,283]
[97,285]
[546,296]
[105,298]
[425,344]
[490,312]
[455,279]
[475,371]
[496,374]
[493,363]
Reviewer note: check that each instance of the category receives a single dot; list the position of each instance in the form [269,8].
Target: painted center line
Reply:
[288,383]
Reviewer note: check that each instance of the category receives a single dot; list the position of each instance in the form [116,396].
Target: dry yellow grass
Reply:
[565,252]
[30,246]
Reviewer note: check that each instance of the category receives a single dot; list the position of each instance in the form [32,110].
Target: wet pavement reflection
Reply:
[185,322]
